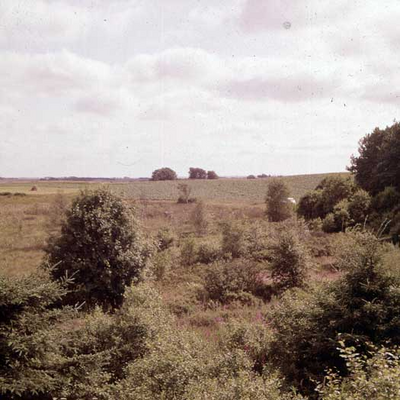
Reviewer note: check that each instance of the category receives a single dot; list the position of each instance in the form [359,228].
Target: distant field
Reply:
[27,221]
[241,190]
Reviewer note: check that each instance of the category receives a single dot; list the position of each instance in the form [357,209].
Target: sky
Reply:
[117,88]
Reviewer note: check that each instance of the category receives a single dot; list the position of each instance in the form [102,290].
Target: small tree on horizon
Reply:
[164,174]
[279,207]
[197,173]
[212,175]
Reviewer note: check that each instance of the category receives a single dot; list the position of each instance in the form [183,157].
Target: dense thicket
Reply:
[362,307]
[337,202]
[29,340]
[378,163]
[100,247]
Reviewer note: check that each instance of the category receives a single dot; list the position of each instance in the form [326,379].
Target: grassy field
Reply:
[240,190]
[27,220]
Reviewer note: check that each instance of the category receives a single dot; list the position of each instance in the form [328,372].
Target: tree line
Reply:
[168,174]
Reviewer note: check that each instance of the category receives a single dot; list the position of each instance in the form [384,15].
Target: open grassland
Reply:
[26,221]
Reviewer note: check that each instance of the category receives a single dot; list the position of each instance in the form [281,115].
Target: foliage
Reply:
[337,202]
[386,200]
[189,251]
[164,174]
[329,224]
[377,165]
[310,205]
[363,306]
[100,246]
[375,375]
[251,177]
[289,260]
[212,175]
[359,206]
[29,343]
[161,264]
[253,338]
[185,191]
[233,239]
[335,189]
[278,206]
[237,280]
[197,173]
[208,252]
[199,218]
[165,239]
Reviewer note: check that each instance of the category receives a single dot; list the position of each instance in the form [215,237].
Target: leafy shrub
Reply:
[161,262]
[310,205]
[257,242]
[341,215]
[386,200]
[29,344]
[253,338]
[359,206]
[165,239]
[363,306]
[320,202]
[375,375]
[233,239]
[189,252]
[315,224]
[239,280]
[208,252]
[97,353]
[279,207]
[290,260]
[100,246]
[199,218]
[329,224]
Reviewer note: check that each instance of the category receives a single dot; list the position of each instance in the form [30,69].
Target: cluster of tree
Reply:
[377,170]
[337,202]
[167,174]
[199,173]
[373,195]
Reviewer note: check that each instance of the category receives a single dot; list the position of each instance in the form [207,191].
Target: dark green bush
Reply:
[289,260]
[101,247]
[363,306]
[29,341]
[238,280]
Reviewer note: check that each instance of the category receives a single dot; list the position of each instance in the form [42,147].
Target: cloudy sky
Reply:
[122,87]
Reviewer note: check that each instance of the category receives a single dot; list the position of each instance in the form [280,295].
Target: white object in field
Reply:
[291,200]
